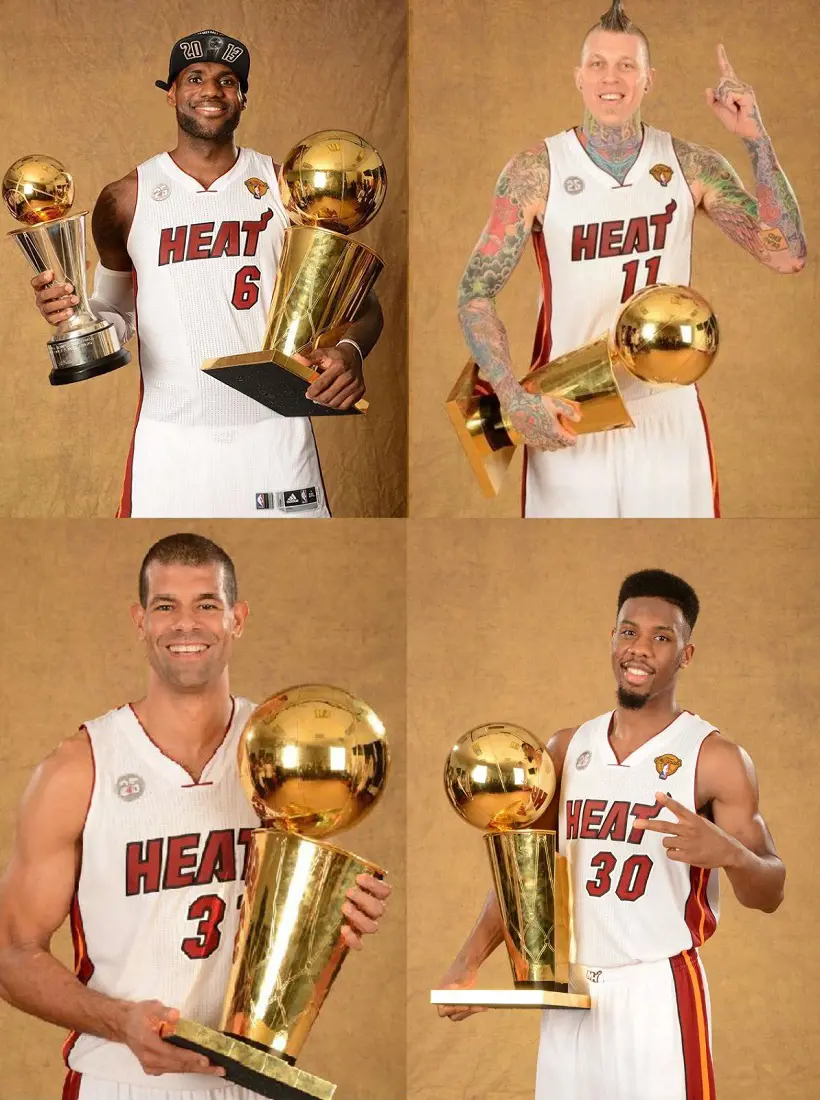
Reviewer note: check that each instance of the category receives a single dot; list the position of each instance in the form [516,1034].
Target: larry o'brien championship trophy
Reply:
[313,760]
[500,778]
[664,335]
[39,192]
[332,183]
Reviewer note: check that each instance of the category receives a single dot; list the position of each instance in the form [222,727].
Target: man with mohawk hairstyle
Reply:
[610,206]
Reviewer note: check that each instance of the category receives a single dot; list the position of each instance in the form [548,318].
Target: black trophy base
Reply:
[275,381]
[64,376]
[249,1066]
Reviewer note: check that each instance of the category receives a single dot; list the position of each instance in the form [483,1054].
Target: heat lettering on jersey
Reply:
[598,819]
[202,241]
[173,862]
[600,240]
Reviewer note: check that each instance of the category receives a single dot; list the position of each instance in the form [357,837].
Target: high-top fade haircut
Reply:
[659,584]
[189,549]
[617,20]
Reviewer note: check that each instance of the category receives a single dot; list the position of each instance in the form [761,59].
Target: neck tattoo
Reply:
[613,148]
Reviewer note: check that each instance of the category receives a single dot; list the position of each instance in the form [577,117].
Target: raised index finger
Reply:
[668,801]
[724,62]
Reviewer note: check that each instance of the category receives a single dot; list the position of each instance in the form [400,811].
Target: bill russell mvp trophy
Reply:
[313,760]
[38,191]
[663,335]
[500,778]
[332,183]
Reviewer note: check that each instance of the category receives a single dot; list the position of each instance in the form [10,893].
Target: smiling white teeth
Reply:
[187,648]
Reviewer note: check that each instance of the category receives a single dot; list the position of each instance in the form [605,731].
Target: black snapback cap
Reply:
[208,46]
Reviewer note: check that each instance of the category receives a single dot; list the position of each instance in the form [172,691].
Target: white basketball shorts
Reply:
[663,468]
[267,469]
[647,1035]
[79,1086]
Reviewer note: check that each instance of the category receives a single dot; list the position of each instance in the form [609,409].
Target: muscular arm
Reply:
[111,222]
[35,897]
[367,327]
[767,225]
[728,784]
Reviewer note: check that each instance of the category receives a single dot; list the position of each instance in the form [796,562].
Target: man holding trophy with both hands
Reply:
[605,846]
[609,206]
[190,243]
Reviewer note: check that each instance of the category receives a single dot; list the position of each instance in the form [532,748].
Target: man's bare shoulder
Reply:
[526,176]
[559,743]
[65,779]
[700,163]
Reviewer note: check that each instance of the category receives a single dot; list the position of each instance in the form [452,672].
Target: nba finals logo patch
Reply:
[130,787]
[667,765]
[662,173]
[257,188]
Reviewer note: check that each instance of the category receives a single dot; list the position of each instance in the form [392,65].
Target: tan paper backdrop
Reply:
[512,623]
[81,88]
[327,605]
[492,77]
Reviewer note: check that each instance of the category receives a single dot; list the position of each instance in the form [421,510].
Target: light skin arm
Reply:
[768,224]
[36,892]
[737,839]
[519,201]
[488,931]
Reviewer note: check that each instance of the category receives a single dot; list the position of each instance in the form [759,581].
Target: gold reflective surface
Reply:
[37,189]
[313,760]
[510,998]
[532,887]
[224,1050]
[666,335]
[499,776]
[333,179]
[289,947]
[586,376]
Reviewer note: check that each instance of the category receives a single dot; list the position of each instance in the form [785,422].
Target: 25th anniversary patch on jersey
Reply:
[291,500]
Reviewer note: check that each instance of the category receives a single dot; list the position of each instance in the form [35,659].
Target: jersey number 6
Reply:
[631,883]
[245,287]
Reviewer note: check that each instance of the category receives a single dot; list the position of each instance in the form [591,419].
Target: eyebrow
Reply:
[631,622]
[225,71]
[168,598]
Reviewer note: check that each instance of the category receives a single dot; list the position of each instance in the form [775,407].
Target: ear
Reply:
[138,618]
[687,655]
[577,74]
[650,82]
[239,612]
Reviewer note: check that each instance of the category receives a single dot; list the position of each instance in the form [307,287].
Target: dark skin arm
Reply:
[488,932]
[736,838]
[341,381]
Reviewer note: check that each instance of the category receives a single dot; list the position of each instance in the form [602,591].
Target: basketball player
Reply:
[137,829]
[610,206]
[189,244]
[652,802]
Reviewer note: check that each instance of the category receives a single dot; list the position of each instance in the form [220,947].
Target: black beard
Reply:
[630,700]
[191,125]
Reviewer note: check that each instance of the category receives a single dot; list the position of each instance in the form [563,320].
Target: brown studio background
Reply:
[83,91]
[492,78]
[512,623]
[325,607]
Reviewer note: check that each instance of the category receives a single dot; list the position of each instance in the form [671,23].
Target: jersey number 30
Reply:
[631,882]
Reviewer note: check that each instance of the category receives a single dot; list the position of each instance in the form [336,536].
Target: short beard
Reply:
[630,700]
[196,129]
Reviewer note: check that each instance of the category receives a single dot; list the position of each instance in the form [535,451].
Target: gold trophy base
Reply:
[509,998]
[276,380]
[249,1066]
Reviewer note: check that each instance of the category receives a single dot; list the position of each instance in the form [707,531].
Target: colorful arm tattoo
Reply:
[769,225]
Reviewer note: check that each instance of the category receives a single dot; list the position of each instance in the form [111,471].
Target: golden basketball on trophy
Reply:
[332,183]
[664,336]
[500,778]
[313,760]
[39,192]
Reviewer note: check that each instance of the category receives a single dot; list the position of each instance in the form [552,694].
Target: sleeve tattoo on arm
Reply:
[767,225]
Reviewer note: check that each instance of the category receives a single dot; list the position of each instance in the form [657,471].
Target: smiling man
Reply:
[610,206]
[118,832]
[189,244]
[652,802]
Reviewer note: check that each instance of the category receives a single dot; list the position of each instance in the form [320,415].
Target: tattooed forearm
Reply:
[758,224]
[776,200]
[520,195]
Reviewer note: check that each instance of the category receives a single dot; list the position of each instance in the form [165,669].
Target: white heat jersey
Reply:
[631,903]
[205,265]
[157,903]
[603,241]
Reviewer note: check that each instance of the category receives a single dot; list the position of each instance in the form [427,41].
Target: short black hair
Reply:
[189,549]
[658,584]
[617,20]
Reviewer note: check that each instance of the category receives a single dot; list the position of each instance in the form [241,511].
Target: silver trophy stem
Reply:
[83,346]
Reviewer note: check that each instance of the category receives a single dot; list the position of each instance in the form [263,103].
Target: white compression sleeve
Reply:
[112,299]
